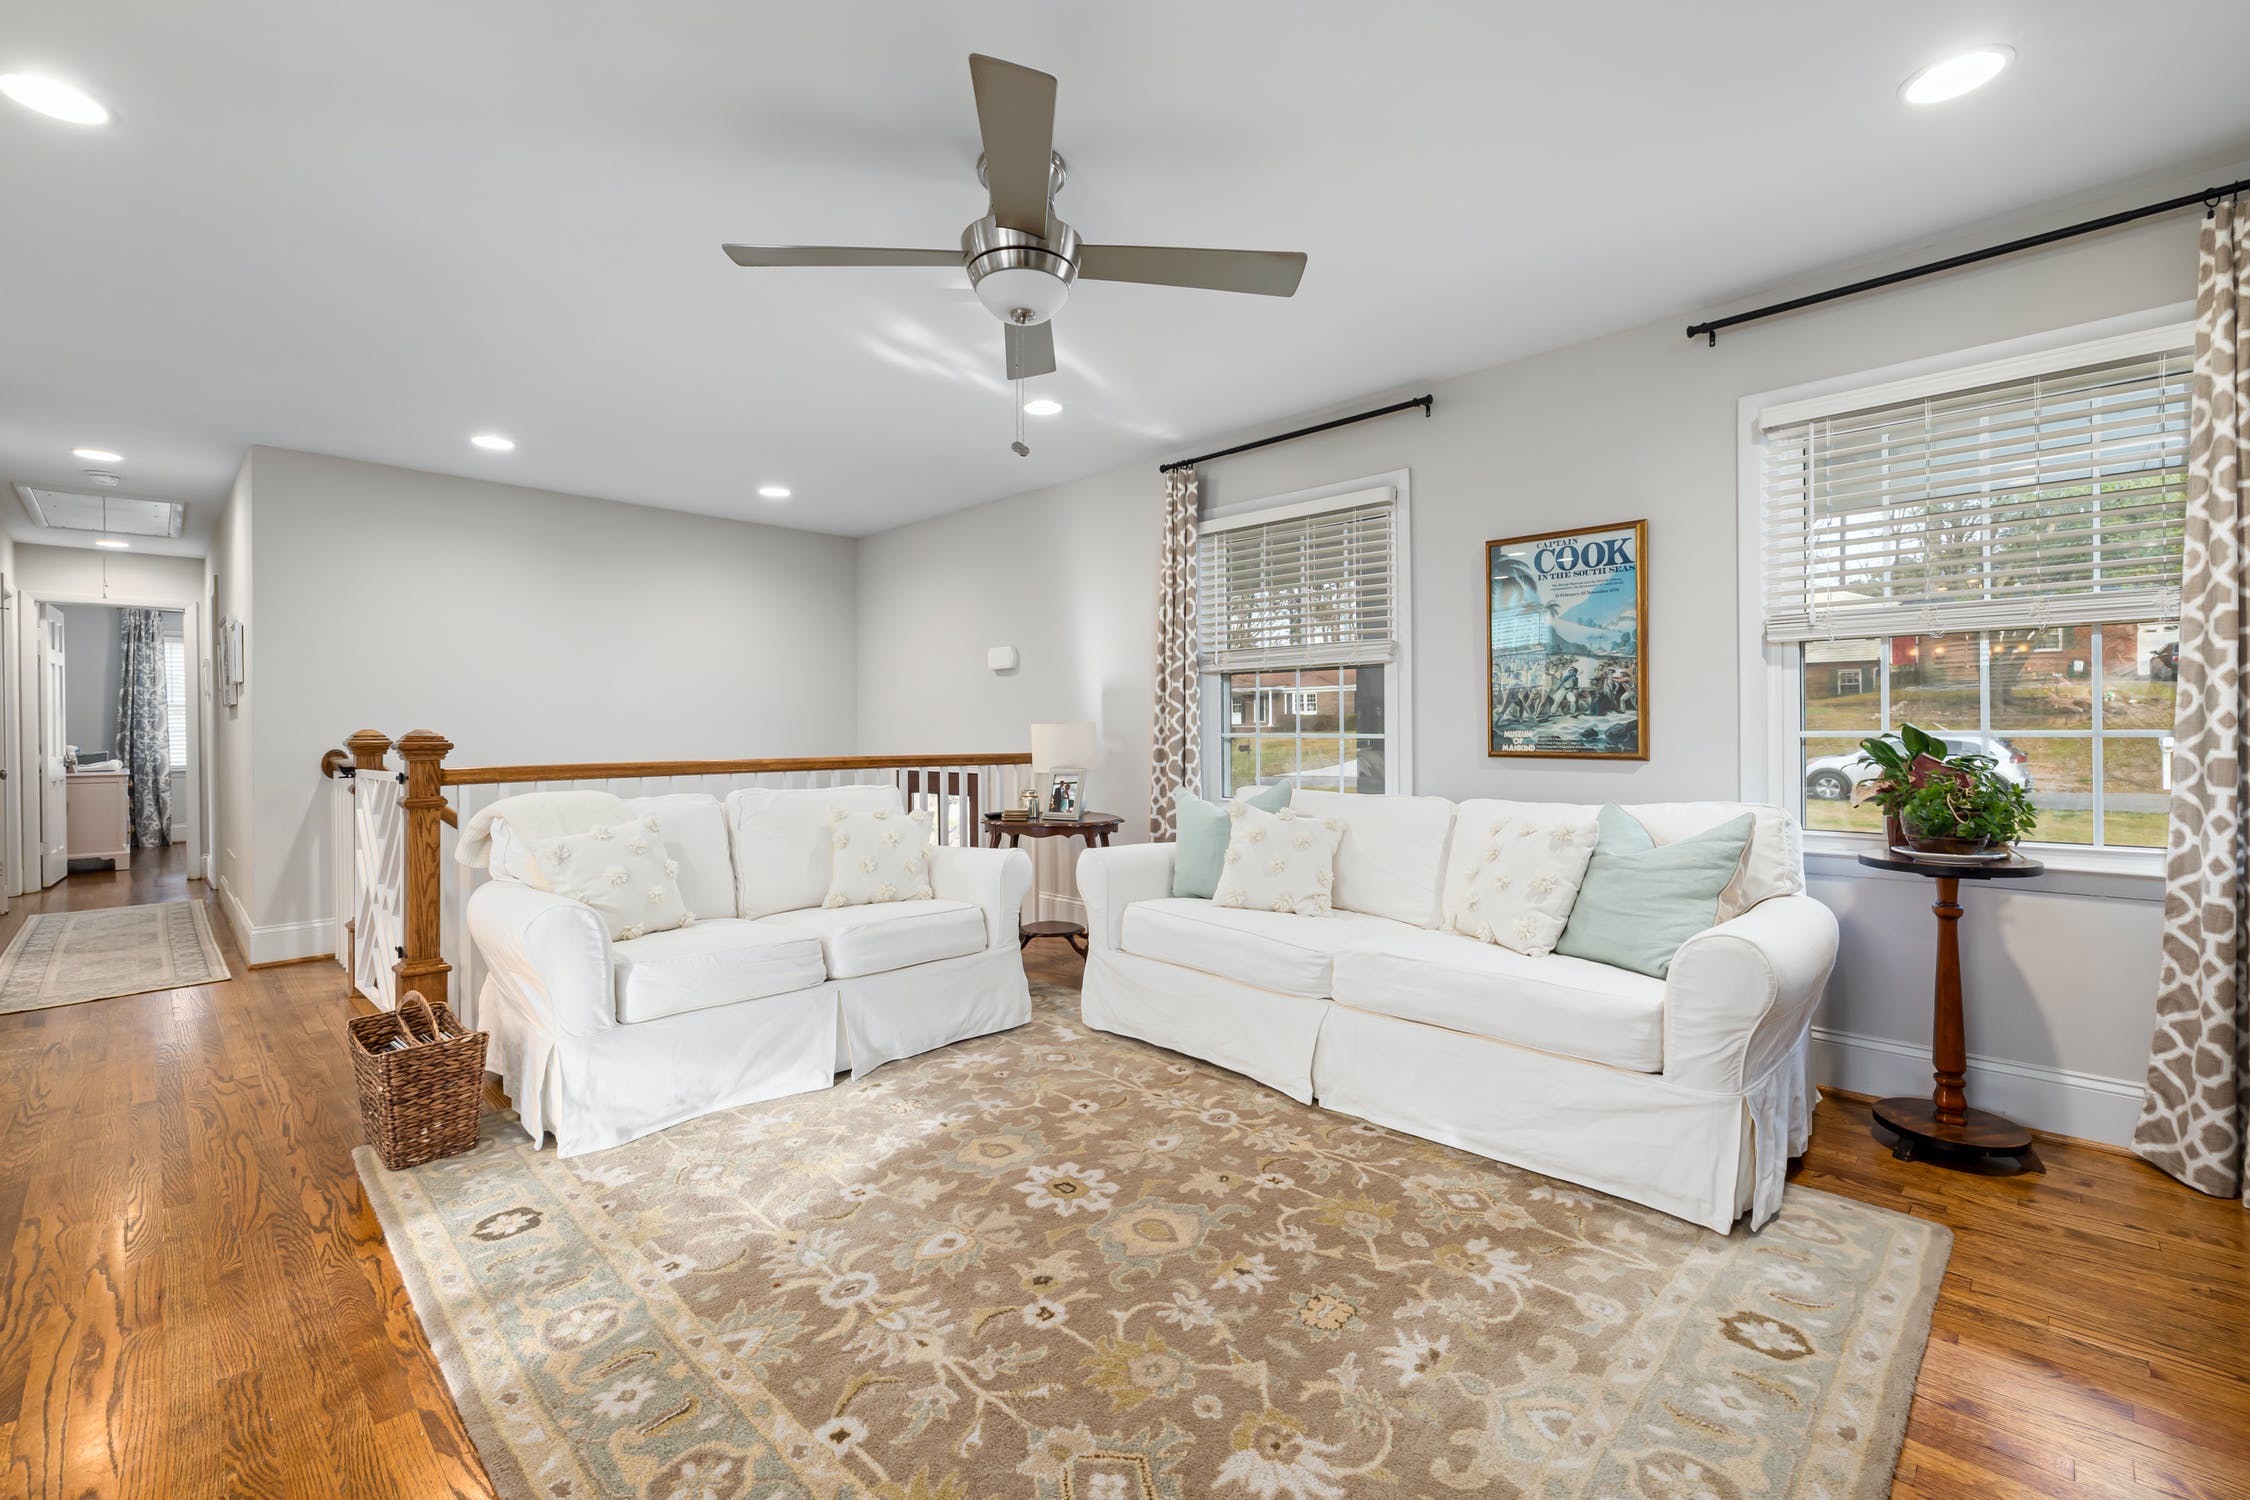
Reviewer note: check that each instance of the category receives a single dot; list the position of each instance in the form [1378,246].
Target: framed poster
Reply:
[1566,663]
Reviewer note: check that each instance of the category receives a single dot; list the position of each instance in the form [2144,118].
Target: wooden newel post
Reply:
[423,967]
[368,747]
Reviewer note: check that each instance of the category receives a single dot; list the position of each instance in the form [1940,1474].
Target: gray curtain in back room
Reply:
[144,738]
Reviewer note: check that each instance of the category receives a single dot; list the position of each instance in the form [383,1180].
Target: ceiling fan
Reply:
[1021,259]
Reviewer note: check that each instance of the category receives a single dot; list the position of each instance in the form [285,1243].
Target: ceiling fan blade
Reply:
[1031,350]
[836,255]
[1268,273]
[1016,116]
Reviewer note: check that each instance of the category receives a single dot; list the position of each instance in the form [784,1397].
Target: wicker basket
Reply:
[419,1102]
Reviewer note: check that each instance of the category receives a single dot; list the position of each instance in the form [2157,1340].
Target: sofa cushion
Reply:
[876,938]
[1278,861]
[623,872]
[1474,824]
[695,835]
[1551,1004]
[1774,864]
[718,962]
[782,846]
[1200,832]
[1392,861]
[1278,951]
[877,856]
[1522,894]
[1642,899]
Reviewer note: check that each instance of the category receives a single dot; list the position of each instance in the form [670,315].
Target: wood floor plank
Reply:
[195,1299]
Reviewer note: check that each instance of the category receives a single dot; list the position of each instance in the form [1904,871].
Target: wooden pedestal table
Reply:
[1095,828]
[1944,1123]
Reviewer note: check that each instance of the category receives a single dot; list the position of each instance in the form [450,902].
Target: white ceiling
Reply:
[374,230]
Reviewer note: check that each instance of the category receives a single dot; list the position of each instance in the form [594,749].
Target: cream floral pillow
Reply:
[879,855]
[623,872]
[1522,889]
[1278,861]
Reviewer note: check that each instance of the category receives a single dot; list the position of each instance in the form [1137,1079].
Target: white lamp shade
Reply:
[1055,745]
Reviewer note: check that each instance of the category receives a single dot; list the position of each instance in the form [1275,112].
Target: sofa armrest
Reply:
[1109,880]
[994,879]
[1741,994]
[552,951]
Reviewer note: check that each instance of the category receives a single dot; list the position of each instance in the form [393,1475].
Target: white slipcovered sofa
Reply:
[1687,1093]
[767,993]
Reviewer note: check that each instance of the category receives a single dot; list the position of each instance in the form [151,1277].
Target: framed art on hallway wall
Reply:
[1566,662]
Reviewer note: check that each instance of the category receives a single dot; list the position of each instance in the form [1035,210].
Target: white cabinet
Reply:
[100,820]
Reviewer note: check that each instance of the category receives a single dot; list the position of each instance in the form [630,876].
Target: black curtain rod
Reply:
[2209,197]
[1425,402]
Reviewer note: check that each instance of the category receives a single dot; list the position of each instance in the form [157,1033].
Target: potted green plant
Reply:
[1940,804]
[1893,757]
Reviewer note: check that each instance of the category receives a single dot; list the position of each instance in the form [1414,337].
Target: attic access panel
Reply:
[69,510]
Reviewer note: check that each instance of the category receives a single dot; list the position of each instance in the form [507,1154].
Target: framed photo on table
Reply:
[1062,794]
[1566,659]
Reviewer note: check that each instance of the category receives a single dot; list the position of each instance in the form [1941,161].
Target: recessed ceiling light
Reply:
[97,455]
[1956,76]
[1042,407]
[774,491]
[493,442]
[112,542]
[53,97]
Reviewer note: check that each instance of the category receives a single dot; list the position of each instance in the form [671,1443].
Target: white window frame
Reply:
[1771,676]
[1398,734]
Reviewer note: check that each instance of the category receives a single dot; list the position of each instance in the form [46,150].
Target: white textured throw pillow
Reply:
[879,855]
[1523,886]
[1278,861]
[623,872]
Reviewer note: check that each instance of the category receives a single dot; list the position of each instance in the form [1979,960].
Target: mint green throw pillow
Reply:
[1641,900]
[1201,850]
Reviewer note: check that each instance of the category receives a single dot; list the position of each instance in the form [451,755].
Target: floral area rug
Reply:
[1060,1264]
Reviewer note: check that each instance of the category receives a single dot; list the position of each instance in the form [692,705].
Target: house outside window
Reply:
[1301,602]
[1993,555]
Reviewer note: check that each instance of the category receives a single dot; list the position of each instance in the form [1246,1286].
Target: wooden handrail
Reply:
[627,770]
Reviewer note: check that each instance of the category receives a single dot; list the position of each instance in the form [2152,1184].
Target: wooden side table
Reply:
[1944,1121]
[1095,828]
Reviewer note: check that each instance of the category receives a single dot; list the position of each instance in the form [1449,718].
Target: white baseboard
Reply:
[1058,908]
[278,943]
[237,915]
[2085,1105]
[284,941]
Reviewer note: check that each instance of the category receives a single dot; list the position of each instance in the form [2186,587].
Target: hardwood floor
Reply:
[197,1301]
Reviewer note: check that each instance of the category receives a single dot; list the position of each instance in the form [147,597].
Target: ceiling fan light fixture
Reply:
[1961,74]
[1042,406]
[773,491]
[1022,294]
[493,442]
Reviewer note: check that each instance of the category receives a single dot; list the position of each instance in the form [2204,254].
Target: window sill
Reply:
[2117,874]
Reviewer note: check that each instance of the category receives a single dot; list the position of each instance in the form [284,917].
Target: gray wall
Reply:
[1641,423]
[525,626]
[93,666]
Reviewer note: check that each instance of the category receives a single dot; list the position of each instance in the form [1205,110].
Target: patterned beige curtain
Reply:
[2196,1112]
[1177,755]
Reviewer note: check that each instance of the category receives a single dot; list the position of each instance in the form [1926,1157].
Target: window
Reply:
[1302,658]
[175,698]
[1994,556]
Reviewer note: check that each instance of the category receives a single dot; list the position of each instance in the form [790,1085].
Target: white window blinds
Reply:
[2055,497]
[1306,585]
[175,698]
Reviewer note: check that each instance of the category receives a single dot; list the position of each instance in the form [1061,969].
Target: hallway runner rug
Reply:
[1061,1264]
[61,958]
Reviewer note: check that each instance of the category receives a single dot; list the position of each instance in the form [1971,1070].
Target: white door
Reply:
[54,793]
